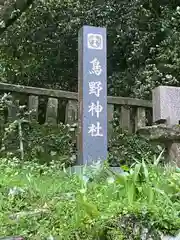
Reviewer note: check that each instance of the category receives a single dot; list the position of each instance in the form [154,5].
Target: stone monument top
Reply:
[166,105]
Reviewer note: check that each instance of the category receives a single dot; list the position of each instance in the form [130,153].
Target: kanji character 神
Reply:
[95,109]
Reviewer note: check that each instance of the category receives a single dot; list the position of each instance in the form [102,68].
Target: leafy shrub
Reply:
[44,143]
[125,149]
[29,140]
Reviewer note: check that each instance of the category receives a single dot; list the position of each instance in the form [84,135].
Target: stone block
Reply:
[166,135]
[166,107]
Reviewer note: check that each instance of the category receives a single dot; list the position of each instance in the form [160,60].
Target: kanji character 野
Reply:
[95,88]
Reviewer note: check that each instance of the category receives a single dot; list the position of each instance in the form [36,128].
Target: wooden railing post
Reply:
[140,119]
[13,109]
[71,116]
[110,112]
[52,111]
[33,103]
[71,112]
[125,119]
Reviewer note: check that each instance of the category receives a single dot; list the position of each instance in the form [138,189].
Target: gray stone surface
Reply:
[51,112]
[167,135]
[92,95]
[33,107]
[173,149]
[166,104]
[80,170]
[160,133]
[71,112]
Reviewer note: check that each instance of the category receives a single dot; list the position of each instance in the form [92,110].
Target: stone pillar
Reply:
[92,95]
[33,104]
[51,112]
[173,152]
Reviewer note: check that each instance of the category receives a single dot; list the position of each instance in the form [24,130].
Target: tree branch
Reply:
[10,11]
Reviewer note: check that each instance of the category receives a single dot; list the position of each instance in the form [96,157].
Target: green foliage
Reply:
[125,149]
[39,204]
[40,49]
[29,140]
[49,143]
[43,143]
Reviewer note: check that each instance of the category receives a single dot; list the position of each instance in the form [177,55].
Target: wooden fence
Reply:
[63,106]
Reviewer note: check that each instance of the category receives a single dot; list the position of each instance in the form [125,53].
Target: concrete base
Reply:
[81,169]
[76,170]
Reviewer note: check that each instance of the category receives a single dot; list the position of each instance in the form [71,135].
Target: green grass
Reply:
[76,209]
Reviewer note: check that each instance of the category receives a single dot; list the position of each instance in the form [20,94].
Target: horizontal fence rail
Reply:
[71,95]
[60,106]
